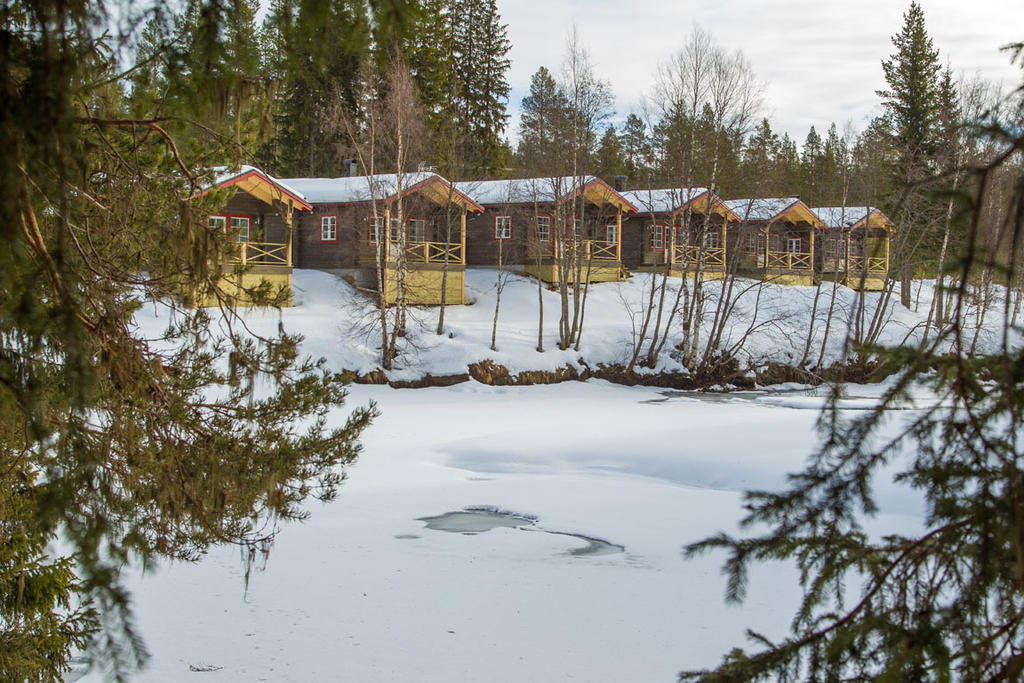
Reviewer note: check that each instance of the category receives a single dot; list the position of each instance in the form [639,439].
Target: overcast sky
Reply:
[821,60]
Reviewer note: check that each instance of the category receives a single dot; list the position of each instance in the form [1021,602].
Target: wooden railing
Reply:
[599,250]
[873,264]
[790,260]
[594,250]
[714,257]
[261,254]
[432,252]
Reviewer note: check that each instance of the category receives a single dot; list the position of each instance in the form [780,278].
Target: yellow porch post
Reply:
[767,243]
[846,267]
[288,222]
[462,255]
[619,240]
[462,238]
[725,245]
[813,234]
[887,237]
[385,276]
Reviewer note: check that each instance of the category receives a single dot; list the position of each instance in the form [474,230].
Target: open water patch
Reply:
[477,520]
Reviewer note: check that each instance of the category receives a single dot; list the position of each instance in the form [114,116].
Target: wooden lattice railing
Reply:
[599,250]
[594,250]
[872,264]
[790,260]
[714,257]
[261,254]
[433,252]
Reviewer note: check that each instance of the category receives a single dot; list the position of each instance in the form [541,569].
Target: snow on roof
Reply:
[222,174]
[843,216]
[523,190]
[356,188]
[760,209]
[662,201]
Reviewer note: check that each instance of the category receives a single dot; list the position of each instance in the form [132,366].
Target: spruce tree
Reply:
[947,602]
[610,161]
[544,127]
[131,447]
[911,100]
[810,168]
[636,147]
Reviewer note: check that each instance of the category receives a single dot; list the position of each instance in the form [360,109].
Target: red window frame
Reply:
[536,226]
[329,241]
[615,230]
[496,237]
[657,229]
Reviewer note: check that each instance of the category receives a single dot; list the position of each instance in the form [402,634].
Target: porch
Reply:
[588,260]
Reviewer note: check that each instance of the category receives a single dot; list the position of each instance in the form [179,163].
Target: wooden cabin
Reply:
[854,246]
[677,229]
[774,239]
[262,214]
[550,228]
[418,219]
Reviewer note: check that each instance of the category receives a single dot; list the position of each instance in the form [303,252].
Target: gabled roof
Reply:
[850,217]
[255,182]
[769,210]
[676,200]
[382,187]
[544,191]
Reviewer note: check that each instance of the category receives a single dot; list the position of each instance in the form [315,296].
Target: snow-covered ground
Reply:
[367,591]
[364,591]
[338,324]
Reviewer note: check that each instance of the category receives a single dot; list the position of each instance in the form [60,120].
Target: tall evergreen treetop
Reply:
[911,100]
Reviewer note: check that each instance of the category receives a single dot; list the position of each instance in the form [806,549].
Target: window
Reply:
[657,234]
[240,226]
[712,240]
[680,237]
[375,228]
[396,230]
[328,228]
[611,234]
[417,229]
[832,248]
[751,244]
[502,227]
[794,245]
[775,242]
[544,228]
[577,228]
[218,223]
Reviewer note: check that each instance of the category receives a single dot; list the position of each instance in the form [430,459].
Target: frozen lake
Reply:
[507,534]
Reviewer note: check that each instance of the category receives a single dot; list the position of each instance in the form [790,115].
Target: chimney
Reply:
[620,183]
[350,167]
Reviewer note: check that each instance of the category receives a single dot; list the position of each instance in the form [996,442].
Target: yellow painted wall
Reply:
[548,272]
[676,271]
[424,287]
[791,279]
[234,286]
